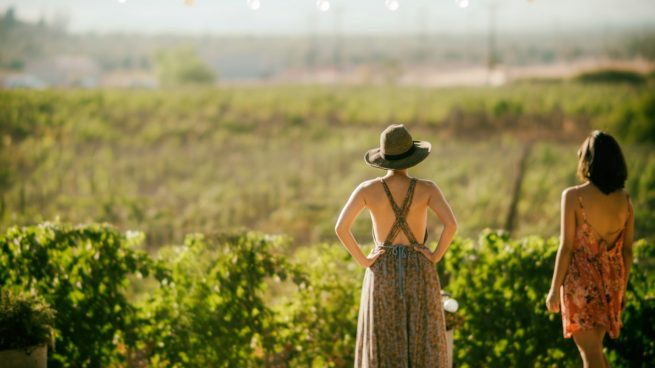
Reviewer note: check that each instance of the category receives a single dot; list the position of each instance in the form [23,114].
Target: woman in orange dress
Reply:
[595,253]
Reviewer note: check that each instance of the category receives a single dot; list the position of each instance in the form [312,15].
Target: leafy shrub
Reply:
[25,320]
[611,76]
[635,347]
[322,316]
[235,300]
[635,121]
[82,273]
[501,285]
[211,312]
[182,66]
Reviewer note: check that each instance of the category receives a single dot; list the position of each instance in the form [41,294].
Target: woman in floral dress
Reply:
[595,253]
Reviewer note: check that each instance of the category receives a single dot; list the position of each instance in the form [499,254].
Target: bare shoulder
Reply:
[366,187]
[430,190]
[570,193]
[427,185]
[367,184]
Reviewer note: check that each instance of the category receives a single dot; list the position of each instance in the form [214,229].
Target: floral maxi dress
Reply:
[401,320]
[593,288]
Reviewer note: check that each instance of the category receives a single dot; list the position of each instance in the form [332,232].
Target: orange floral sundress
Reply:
[593,288]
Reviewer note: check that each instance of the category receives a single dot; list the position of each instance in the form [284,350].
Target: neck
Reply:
[402,172]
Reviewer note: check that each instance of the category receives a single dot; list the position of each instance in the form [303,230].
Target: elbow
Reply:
[452,226]
[339,229]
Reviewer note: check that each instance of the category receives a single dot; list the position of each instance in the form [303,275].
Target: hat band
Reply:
[401,156]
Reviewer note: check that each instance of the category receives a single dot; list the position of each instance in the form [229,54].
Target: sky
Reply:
[230,17]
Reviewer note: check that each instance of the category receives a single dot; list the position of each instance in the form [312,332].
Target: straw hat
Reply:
[397,149]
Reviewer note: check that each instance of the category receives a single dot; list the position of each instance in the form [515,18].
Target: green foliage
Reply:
[635,121]
[81,271]
[321,317]
[501,285]
[182,66]
[611,76]
[642,192]
[165,161]
[636,339]
[25,320]
[237,300]
[210,312]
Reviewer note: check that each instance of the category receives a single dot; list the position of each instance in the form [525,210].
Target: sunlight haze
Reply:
[347,17]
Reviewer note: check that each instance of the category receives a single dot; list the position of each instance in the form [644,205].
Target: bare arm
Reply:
[628,239]
[563,259]
[441,208]
[349,213]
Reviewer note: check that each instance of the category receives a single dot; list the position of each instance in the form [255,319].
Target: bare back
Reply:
[382,212]
[607,215]
[412,221]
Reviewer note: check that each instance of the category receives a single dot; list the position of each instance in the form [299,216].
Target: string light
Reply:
[254,4]
[392,5]
[323,5]
[462,3]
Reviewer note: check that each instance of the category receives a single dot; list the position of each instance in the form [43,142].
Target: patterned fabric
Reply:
[593,288]
[401,319]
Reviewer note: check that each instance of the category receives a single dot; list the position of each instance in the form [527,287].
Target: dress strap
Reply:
[584,213]
[401,222]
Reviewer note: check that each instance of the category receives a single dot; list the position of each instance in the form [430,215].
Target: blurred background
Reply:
[190,115]
[174,117]
[421,42]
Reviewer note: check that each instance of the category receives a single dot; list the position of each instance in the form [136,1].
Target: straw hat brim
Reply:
[374,157]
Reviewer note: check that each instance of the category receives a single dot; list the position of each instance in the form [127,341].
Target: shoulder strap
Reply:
[627,196]
[401,222]
[584,213]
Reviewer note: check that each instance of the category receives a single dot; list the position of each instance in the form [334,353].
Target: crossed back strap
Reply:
[401,222]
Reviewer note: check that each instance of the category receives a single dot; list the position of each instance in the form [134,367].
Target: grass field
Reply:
[284,159]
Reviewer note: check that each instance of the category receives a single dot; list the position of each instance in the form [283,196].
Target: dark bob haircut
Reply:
[601,161]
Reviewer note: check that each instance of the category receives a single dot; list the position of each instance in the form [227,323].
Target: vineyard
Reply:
[284,159]
[194,227]
[245,300]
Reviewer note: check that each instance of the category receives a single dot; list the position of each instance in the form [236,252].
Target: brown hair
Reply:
[601,161]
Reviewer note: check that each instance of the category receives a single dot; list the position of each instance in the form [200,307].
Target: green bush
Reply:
[82,272]
[25,320]
[635,121]
[611,76]
[182,67]
[238,300]
[211,311]
[322,316]
[635,347]
[501,285]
